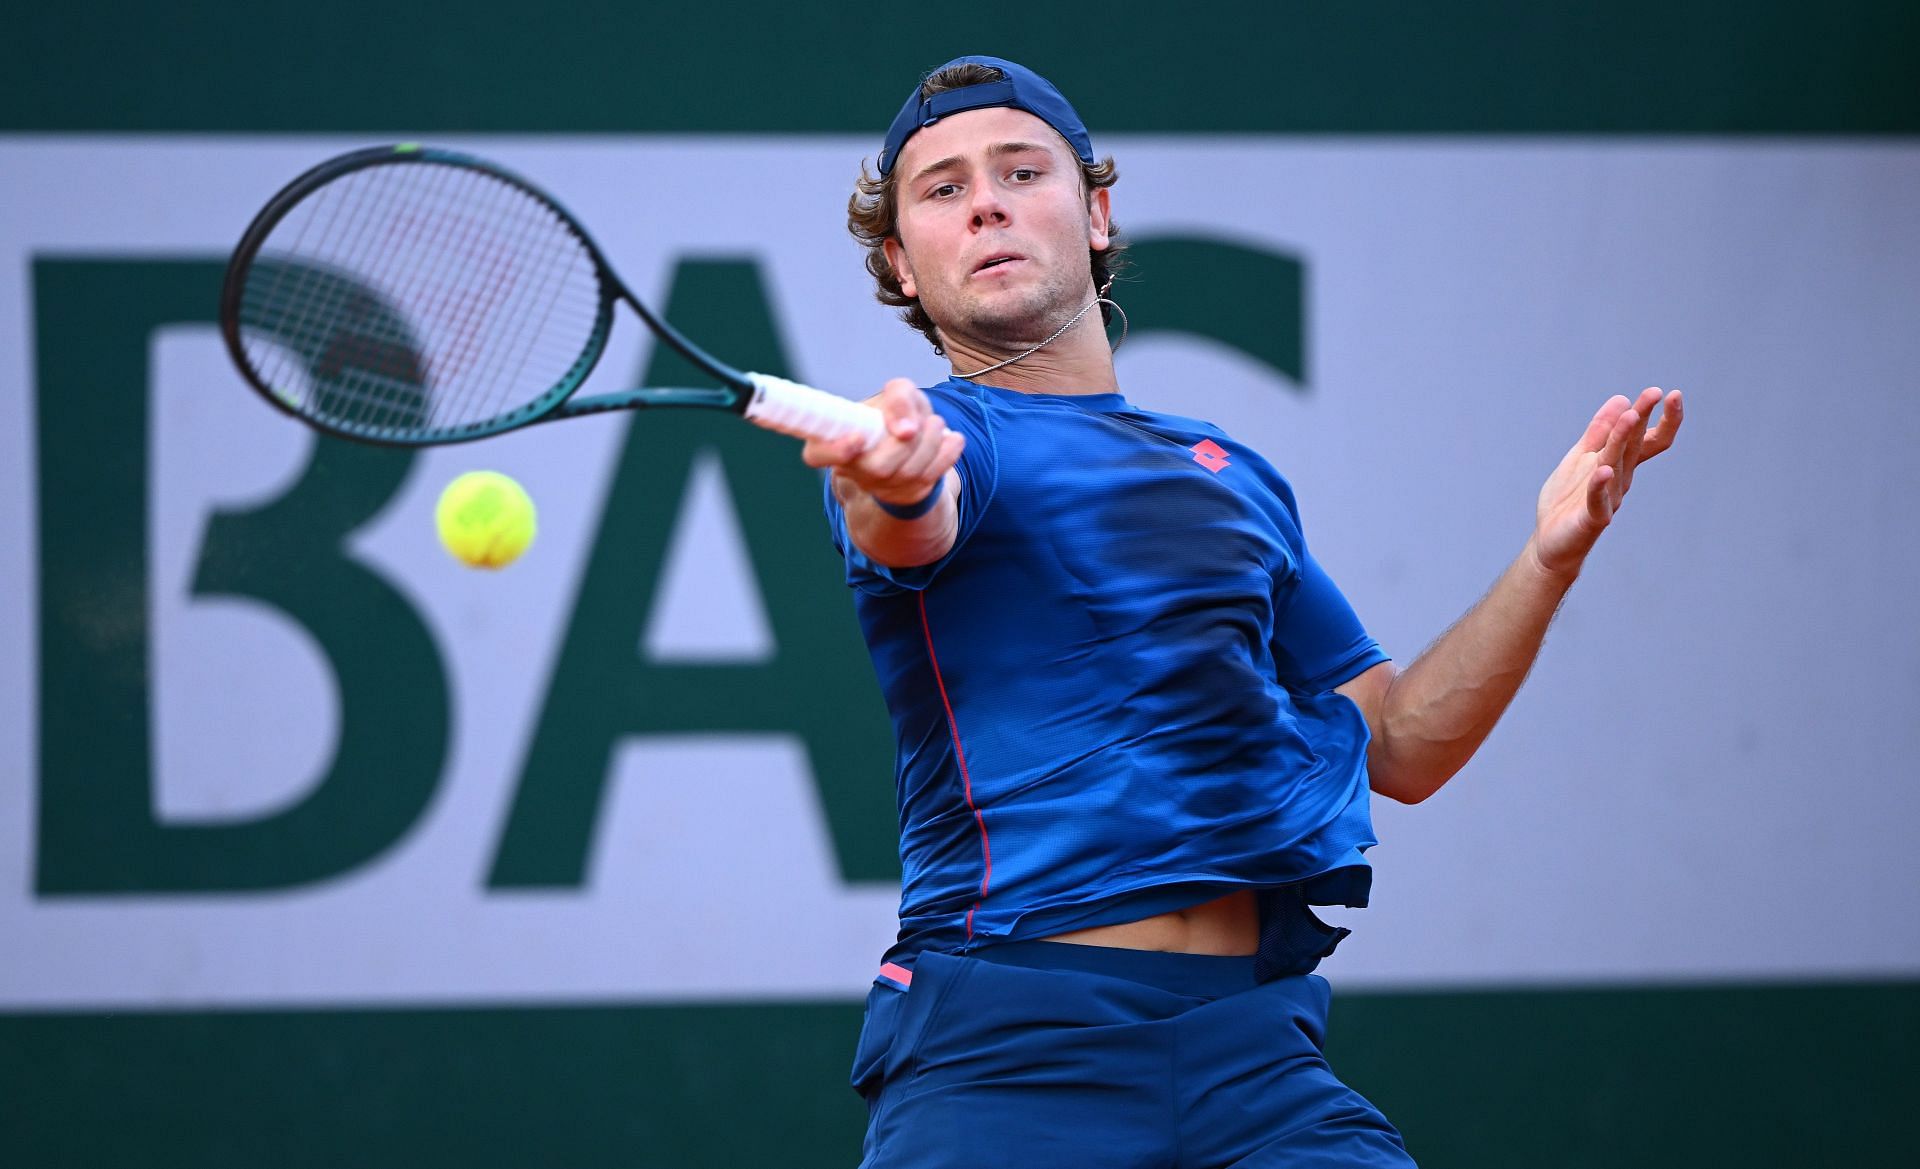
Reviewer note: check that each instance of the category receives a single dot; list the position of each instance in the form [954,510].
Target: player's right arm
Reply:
[913,459]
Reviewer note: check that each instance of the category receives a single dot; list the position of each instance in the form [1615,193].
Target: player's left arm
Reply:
[1428,719]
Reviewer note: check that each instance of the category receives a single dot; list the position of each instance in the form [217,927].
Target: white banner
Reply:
[1710,775]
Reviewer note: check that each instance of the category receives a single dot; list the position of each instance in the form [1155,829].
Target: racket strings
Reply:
[548,295]
[465,307]
[531,308]
[418,299]
[471,286]
[422,287]
[352,362]
[368,371]
[471,307]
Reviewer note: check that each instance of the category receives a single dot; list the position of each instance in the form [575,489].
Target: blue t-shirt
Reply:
[1113,696]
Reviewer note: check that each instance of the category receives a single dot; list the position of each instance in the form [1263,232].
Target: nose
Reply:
[987,206]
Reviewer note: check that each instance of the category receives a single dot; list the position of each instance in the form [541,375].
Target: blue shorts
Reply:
[1062,1055]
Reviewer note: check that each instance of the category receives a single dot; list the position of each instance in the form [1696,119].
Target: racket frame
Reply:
[738,392]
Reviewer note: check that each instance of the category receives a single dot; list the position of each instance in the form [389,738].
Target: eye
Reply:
[942,191]
[1024,174]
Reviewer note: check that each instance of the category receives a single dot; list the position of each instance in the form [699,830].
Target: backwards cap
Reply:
[1020,88]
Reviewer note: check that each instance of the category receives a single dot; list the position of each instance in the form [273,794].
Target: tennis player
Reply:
[1137,724]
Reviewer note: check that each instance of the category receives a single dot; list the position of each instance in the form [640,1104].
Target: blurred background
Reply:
[319,849]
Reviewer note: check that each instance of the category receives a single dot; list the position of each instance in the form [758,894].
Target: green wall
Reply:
[1787,1076]
[1492,66]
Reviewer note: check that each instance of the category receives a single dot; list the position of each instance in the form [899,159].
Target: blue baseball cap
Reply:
[1020,88]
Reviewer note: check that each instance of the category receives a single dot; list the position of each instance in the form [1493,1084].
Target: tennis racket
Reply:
[407,296]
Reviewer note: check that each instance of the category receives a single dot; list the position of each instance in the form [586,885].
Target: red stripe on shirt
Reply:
[966,780]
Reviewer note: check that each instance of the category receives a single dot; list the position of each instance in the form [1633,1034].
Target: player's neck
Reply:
[1079,361]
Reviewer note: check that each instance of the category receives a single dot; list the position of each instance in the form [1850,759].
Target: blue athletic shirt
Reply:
[1113,697]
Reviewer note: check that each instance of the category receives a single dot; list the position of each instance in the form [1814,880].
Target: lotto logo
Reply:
[1210,455]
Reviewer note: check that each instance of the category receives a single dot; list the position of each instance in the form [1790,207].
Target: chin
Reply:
[1008,317]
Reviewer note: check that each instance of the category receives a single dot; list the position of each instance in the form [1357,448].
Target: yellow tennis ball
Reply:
[485,519]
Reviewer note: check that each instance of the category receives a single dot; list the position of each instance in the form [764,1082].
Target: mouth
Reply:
[999,260]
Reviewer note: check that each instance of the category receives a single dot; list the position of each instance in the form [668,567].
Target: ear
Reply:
[1099,219]
[897,260]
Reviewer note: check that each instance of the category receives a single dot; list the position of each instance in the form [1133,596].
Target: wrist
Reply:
[920,507]
[1560,577]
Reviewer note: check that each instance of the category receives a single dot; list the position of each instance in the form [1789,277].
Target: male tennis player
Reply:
[1137,723]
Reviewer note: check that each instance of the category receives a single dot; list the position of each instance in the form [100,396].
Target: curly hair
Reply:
[873,215]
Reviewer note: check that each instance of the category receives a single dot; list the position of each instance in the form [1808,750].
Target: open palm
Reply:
[1583,493]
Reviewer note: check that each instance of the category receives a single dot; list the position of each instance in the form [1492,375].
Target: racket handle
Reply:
[805,412]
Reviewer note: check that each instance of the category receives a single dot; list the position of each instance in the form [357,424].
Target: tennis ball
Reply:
[485,519]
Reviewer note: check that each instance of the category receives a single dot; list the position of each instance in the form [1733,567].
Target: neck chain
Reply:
[1098,298]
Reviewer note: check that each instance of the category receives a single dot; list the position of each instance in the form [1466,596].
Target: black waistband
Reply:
[1292,939]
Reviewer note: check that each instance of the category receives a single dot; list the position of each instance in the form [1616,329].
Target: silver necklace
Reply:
[1098,298]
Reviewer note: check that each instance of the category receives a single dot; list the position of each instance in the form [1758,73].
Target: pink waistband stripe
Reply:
[897,973]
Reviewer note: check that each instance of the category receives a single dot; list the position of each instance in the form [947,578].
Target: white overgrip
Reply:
[805,412]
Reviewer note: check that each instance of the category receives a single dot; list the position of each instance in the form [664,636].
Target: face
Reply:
[994,227]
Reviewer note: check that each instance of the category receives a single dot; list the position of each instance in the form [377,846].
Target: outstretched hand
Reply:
[1583,493]
[912,455]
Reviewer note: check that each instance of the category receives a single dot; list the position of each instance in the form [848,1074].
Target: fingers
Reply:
[1629,453]
[1618,435]
[1626,442]
[914,451]
[1594,476]
[912,475]
[1646,442]
[950,447]
[904,406]
[1672,414]
[820,452]
[897,458]
[1601,501]
[1602,426]
[924,452]
[930,466]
